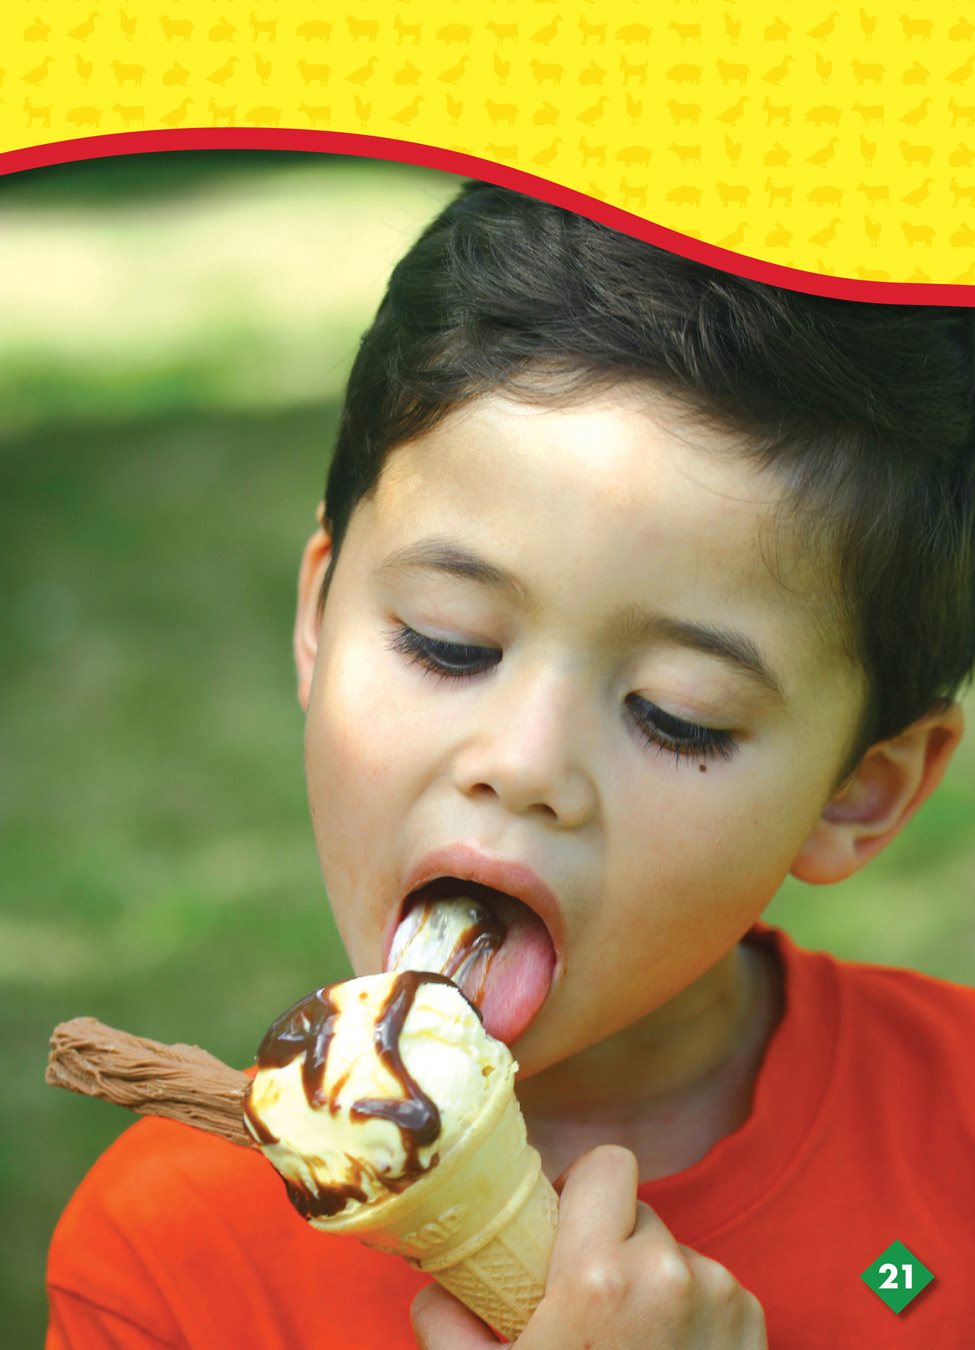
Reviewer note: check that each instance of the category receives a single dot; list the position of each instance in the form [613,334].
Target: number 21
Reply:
[891,1271]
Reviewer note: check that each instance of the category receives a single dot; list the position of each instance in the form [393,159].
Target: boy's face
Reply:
[645,715]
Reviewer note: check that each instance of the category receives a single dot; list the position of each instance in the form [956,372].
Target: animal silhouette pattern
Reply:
[840,142]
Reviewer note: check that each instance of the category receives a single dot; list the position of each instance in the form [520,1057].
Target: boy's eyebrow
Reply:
[439,555]
[728,644]
[631,624]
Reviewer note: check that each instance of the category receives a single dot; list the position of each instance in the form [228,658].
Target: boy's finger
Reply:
[597,1208]
[441,1323]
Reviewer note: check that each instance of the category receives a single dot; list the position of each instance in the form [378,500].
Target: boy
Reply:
[635,588]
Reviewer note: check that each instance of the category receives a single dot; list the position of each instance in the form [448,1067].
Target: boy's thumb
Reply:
[441,1323]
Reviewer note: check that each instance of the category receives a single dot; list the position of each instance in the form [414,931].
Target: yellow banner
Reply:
[836,141]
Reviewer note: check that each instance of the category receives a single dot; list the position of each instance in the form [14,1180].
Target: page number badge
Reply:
[897,1276]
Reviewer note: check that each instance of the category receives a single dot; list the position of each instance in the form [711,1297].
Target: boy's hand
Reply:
[618,1279]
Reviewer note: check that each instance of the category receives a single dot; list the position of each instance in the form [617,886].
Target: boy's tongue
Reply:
[495,948]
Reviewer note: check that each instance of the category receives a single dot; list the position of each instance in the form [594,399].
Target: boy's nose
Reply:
[528,751]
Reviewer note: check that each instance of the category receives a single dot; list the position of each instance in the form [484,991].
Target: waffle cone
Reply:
[481,1222]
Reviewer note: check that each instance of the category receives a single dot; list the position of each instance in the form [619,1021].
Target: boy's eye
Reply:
[460,660]
[449,660]
[680,738]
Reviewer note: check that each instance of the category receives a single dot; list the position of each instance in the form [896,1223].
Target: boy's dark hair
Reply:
[864,409]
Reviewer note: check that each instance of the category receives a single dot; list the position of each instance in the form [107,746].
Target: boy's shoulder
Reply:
[862,1000]
[885,997]
[892,1038]
[916,1025]
[191,1240]
[862,1121]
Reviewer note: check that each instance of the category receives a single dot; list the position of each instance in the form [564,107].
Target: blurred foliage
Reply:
[134,286]
[97,183]
[154,831]
[158,868]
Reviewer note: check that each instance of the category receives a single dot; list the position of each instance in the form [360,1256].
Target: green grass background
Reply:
[176,335]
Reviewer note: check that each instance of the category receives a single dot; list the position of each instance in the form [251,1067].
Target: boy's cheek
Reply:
[732,842]
[348,726]
[342,779]
[354,755]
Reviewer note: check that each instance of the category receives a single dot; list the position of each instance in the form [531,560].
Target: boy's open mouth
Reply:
[491,944]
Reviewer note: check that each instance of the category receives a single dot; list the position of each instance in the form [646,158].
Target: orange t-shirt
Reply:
[861,1133]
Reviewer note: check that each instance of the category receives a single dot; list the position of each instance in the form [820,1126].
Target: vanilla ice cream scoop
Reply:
[362,1087]
[391,1114]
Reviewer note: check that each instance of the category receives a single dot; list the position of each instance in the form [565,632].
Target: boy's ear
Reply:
[315,562]
[877,801]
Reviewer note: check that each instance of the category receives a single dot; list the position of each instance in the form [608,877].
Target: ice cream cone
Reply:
[482,1221]
[468,1204]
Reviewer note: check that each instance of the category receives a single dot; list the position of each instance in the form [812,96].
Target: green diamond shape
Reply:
[897,1276]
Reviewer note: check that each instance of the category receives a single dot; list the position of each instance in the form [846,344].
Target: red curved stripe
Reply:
[472,166]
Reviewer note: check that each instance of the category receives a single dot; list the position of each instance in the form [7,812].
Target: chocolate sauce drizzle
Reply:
[474,952]
[416,1116]
[329,1200]
[307,1029]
